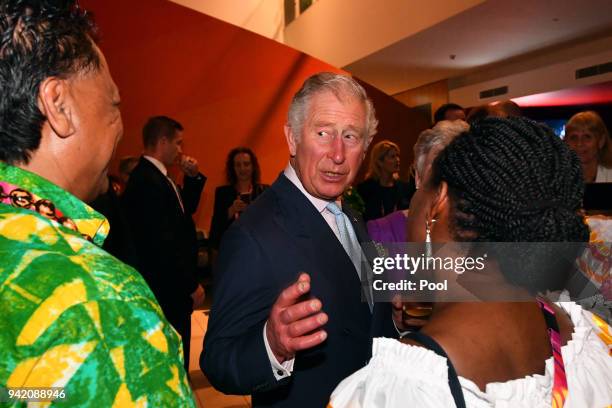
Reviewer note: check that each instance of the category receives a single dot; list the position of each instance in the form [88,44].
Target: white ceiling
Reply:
[486,34]
[398,45]
[342,31]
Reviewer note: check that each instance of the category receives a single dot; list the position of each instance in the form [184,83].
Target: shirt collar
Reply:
[87,220]
[160,166]
[319,203]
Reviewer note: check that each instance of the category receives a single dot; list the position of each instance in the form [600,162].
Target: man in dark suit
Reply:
[159,214]
[288,322]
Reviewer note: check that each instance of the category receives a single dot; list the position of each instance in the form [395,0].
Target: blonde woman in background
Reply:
[587,135]
[382,191]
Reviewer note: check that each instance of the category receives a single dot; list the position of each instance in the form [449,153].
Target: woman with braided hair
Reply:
[505,180]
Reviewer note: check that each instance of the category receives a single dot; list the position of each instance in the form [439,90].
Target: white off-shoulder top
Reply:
[401,375]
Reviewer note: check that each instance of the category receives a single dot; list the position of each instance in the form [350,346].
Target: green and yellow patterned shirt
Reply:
[73,316]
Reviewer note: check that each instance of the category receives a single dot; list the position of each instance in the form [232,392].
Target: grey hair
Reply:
[341,86]
[434,140]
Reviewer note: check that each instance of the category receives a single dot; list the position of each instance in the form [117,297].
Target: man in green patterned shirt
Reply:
[71,316]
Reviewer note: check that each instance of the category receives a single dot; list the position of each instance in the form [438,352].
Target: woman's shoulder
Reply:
[225,193]
[225,189]
[392,376]
[587,359]
[390,228]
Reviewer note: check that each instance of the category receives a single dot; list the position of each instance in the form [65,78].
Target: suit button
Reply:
[280,373]
[346,331]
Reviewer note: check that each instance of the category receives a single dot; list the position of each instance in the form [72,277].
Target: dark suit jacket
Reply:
[263,252]
[119,242]
[164,236]
[224,198]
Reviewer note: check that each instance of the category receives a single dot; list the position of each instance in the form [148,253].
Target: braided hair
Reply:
[512,180]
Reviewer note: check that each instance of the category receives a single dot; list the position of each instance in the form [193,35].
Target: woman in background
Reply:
[382,191]
[587,135]
[244,186]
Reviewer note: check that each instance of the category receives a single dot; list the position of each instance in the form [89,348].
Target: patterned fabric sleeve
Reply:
[81,320]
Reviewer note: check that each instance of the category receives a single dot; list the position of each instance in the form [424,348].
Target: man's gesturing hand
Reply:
[293,325]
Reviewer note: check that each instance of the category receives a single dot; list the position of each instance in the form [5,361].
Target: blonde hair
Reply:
[378,153]
[590,121]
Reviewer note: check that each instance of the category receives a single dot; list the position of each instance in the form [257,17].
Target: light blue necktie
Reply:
[349,241]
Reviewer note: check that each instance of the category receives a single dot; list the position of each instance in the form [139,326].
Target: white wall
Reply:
[264,17]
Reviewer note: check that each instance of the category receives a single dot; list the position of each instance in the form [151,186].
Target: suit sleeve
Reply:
[192,191]
[234,357]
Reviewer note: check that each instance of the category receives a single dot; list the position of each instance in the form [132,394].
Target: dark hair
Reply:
[483,111]
[158,127]
[503,109]
[509,108]
[230,173]
[127,164]
[512,180]
[441,111]
[38,39]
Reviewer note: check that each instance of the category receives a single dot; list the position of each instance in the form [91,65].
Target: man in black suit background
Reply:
[160,216]
[288,322]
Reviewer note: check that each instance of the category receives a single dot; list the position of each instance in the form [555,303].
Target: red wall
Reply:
[226,85]
[396,123]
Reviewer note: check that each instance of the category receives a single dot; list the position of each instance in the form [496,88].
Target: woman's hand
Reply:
[237,206]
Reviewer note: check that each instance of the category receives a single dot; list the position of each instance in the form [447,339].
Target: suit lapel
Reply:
[319,244]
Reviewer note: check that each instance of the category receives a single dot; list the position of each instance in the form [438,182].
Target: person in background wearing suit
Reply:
[288,321]
[244,186]
[159,213]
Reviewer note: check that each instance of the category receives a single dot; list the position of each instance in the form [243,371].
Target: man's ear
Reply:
[291,140]
[440,203]
[55,103]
